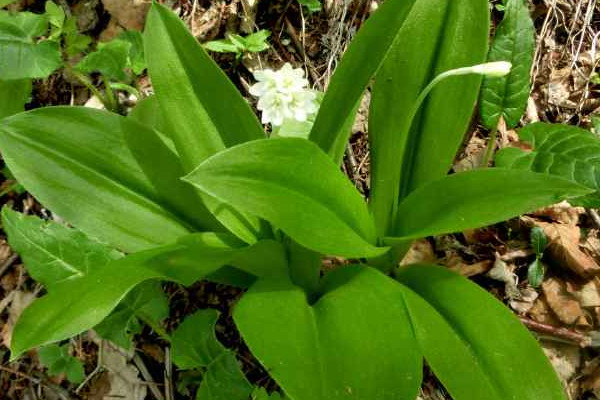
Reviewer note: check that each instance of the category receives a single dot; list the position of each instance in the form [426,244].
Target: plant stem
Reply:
[155,327]
[88,84]
[490,148]
[110,97]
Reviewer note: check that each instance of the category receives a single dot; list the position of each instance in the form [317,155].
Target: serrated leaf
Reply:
[194,343]
[276,178]
[75,161]
[507,96]
[21,57]
[221,46]
[57,359]
[146,302]
[538,240]
[13,96]
[562,150]
[75,306]
[478,198]
[110,59]
[224,380]
[535,273]
[137,61]
[311,349]
[53,253]
[473,343]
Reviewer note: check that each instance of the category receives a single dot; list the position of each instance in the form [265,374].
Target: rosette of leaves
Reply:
[198,192]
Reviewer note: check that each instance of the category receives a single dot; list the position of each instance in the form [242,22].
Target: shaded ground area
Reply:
[564,312]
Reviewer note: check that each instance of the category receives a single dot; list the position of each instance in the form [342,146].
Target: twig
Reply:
[139,363]
[558,332]
[99,368]
[289,28]
[169,395]
[8,263]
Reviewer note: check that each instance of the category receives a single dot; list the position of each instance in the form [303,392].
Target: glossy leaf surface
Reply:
[514,41]
[77,305]
[406,154]
[13,96]
[473,343]
[361,61]
[566,151]
[75,162]
[53,253]
[291,183]
[163,168]
[478,198]
[311,350]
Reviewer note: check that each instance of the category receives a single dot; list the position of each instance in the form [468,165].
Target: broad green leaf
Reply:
[74,161]
[478,198]
[53,253]
[361,61]
[32,25]
[538,240]
[194,343]
[147,111]
[58,360]
[75,306]
[163,168]
[21,57]
[474,344]
[224,380]
[405,153]
[13,96]
[147,302]
[506,97]
[110,59]
[204,111]
[56,18]
[311,5]
[291,183]
[566,151]
[261,394]
[355,342]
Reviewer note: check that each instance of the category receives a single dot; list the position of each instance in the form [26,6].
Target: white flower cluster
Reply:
[283,95]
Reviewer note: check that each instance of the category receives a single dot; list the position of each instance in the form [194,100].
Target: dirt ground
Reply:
[564,312]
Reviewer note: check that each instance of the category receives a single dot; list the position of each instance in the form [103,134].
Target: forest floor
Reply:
[564,312]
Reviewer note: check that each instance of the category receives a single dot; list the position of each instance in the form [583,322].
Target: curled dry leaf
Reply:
[469,270]
[528,297]
[562,212]
[504,273]
[563,304]
[589,294]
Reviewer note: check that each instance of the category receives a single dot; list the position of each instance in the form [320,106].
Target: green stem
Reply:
[88,84]
[490,148]
[110,96]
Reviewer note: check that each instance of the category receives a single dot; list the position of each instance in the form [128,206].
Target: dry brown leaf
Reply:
[20,301]
[541,312]
[528,297]
[469,270]
[564,248]
[562,212]
[589,294]
[130,14]
[420,251]
[122,378]
[504,272]
[565,358]
[564,305]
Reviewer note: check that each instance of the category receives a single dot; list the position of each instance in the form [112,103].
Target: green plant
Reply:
[536,270]
[58,360]
[239,45]
[260,213]
[311,5]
